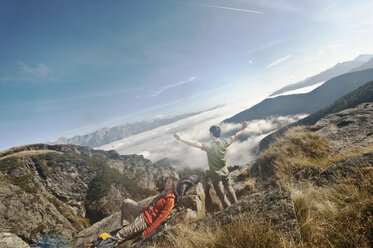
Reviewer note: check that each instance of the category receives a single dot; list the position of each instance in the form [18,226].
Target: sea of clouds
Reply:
[159,143]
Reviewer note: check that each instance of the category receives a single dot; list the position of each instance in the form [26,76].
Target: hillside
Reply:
[361,95]
[335,71]
[305,103]
[310,188]
[65,188]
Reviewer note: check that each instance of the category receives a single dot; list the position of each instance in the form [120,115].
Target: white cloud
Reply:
[29,74]
[40,71]
[159,143]
[278,61]
[173,85]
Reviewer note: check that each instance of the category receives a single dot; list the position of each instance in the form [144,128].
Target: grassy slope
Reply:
[338,215]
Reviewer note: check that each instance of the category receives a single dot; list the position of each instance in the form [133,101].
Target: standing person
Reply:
[136,220]
[216,151]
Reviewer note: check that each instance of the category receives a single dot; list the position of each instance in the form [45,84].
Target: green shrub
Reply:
[23,183]
[105,177]
[8,165]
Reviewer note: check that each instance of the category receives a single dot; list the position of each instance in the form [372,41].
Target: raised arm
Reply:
[244,125]
[188,142]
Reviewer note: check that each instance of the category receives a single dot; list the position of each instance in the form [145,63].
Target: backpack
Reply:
[103,240]
[185,184]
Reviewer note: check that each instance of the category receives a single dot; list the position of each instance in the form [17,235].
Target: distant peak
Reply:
[364,57]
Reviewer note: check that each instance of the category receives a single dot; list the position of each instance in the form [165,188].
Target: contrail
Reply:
[173,85]
[280,60]
[223,7]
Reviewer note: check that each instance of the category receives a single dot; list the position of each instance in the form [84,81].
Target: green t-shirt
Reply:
[216,154]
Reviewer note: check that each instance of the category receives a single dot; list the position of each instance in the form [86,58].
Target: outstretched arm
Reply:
[244,125]
[188,142]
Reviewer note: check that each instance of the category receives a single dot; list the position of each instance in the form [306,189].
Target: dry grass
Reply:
[340,215]
[29,153]
[300,148]
[240,234]
[248,188]
[335,157]
[336,216]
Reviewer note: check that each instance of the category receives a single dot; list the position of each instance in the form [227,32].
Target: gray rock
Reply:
[348,128]
[351,167]
[9,240]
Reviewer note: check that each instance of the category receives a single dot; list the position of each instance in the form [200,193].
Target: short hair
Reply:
[216,131]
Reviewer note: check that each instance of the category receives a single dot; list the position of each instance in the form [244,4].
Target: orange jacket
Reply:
[155,215]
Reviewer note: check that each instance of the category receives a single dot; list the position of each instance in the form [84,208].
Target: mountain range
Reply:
[107,135]
[338,69]
[306,103]
[350,100]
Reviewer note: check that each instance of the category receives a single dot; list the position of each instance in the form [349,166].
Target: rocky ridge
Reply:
[107,135]
[61,188]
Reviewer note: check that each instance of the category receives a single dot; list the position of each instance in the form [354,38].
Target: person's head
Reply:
[171,184]
[215,131]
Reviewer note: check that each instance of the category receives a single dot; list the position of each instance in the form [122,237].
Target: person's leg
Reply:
[130,210]
[130,231]
[227,181]
[219,188]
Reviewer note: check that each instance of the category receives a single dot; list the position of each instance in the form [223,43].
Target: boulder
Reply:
[10,240]
[348,128]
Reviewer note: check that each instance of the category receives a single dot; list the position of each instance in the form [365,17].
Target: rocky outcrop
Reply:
[9,240]
[144,172]
[27,215]
[61,188]
[348,128]
[352,168]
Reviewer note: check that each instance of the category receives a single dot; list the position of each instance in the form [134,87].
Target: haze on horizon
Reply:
[69,68]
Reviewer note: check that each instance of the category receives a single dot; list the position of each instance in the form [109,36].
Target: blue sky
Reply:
[71,67]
